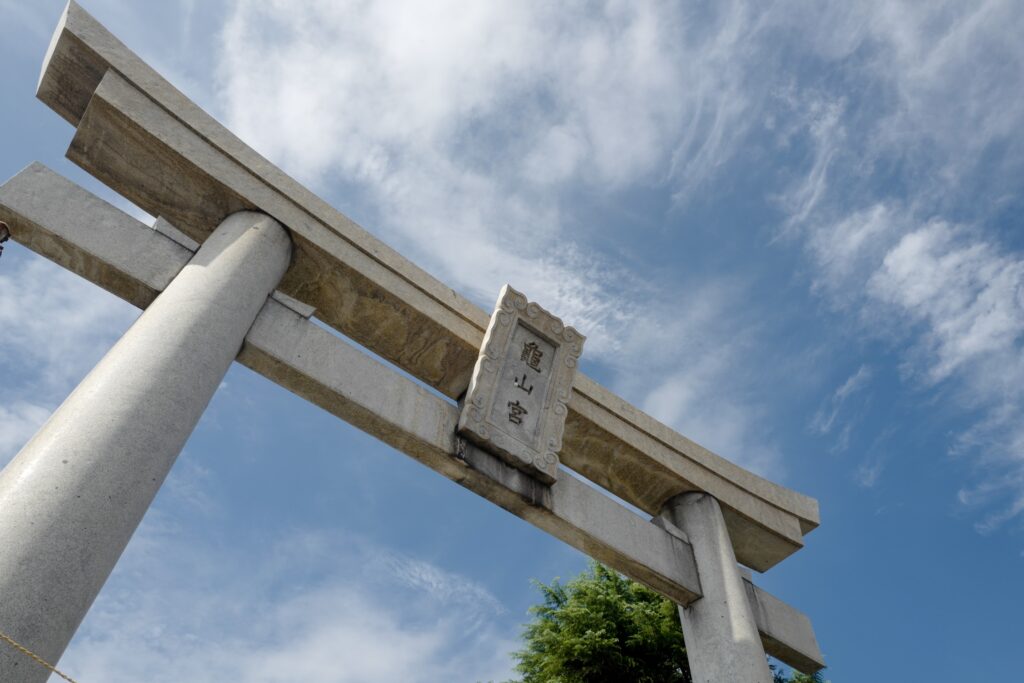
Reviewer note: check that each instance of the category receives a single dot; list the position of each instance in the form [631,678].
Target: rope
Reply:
[39,660]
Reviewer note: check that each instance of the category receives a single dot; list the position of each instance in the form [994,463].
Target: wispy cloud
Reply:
[54,327]
[869,472]
[465,130]
[825,418]
[951,302]
[968,294]
[473,600]
[935,141]
[464,126]
[313,612]
[821,119]
[444,125]
[20,420]
[53,324]
[682,365]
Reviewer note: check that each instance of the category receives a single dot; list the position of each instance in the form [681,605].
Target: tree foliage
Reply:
[603,628]
[779,677]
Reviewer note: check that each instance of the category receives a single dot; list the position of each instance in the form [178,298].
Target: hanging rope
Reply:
[24,650]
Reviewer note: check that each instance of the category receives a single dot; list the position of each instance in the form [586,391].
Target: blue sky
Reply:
[790,231]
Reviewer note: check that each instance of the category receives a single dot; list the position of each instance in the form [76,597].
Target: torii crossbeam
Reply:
[233,229]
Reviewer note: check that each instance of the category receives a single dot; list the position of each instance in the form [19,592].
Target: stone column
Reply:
[722,642]
[72,498]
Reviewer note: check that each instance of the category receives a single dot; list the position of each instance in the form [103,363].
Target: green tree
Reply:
[780,677]
[803,678]
[601,627]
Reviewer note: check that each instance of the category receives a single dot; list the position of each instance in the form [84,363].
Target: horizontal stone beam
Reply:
[316,365]
[786,633]
[46,213]
[69,225]
[149,142]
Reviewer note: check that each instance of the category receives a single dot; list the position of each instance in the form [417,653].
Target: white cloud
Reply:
[952,303]
[730,427]
[680,364]
[463,126]
[967,292]
[868,473]
[460,124]
[474,600]
[18,422]
[933,135]
[848,251]
[370,89]
[823,122]
[854,383]
[318,608]
[826,416]
[938,79]
[952,67]
[53,324]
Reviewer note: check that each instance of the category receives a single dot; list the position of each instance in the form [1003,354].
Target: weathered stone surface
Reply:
[722,640]
[286,347]
[642,441]
[179,175]
[137,133]
[45,210]
[346,382]
[72,497]
[786,633]
[516,403]
[162,226]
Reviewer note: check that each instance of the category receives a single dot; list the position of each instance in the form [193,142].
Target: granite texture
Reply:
[516,403]
[72,497]
[722,641]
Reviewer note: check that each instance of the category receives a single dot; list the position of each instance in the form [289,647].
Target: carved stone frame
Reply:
[540,458]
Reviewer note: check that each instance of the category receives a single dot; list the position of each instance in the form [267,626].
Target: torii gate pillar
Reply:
[722,642]
[73,496]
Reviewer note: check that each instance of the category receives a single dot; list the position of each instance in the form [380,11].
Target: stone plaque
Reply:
[516,403]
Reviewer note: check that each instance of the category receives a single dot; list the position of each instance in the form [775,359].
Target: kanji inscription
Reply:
[516,403]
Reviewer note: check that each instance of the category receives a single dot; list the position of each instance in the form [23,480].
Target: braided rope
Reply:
[39,660]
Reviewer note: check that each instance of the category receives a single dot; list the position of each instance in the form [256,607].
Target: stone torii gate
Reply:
[241,257]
